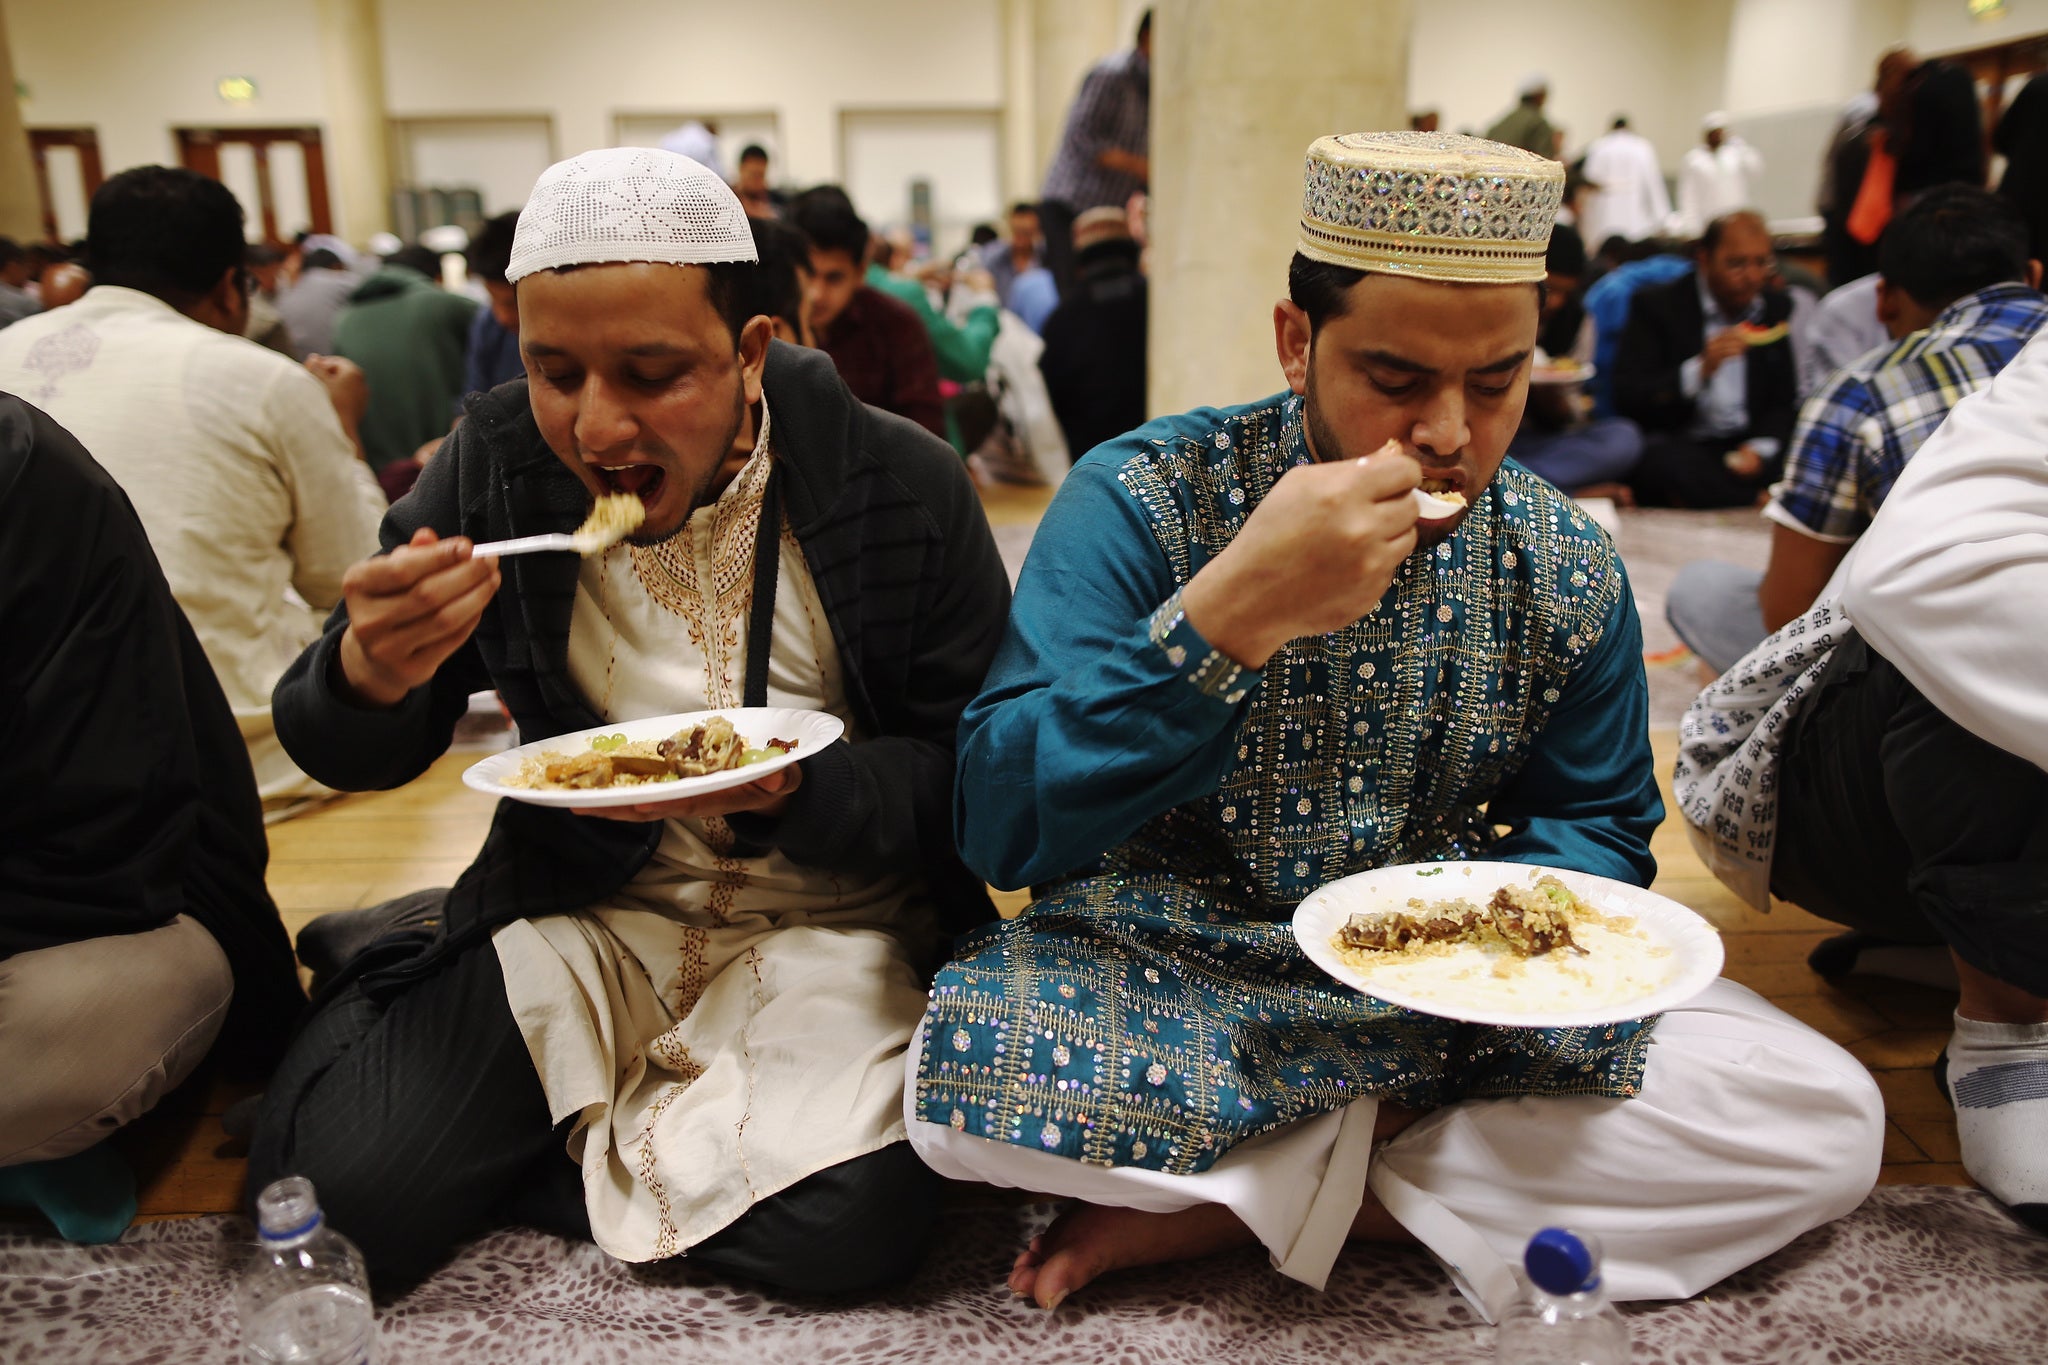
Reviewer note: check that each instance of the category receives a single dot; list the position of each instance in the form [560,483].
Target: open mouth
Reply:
[1439,487]
[642,481]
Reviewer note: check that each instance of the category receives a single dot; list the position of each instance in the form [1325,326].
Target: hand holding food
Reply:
[1722,347]
[408,611]
[1315,555]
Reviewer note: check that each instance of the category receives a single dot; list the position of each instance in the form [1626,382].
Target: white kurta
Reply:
[1714,181]
[251,492]
[1631,201]
[1750,1129]
[722,1027]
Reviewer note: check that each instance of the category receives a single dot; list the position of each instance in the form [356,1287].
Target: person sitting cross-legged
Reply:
[1960,298]
[1239,667]
[678,1030]
[1882,761]
[137,938]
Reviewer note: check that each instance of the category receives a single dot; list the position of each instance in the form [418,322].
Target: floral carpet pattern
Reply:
[1917,1274]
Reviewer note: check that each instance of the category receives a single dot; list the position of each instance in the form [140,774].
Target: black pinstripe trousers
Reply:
[421,1122]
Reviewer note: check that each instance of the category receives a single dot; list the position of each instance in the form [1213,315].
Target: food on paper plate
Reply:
[1756,334]
[711,746]
[612,518]
[1530,947]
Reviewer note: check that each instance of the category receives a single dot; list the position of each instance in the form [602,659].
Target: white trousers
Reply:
[1750,1129]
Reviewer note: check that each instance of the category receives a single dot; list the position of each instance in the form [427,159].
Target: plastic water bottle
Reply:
[1565,1319]
[304,1296]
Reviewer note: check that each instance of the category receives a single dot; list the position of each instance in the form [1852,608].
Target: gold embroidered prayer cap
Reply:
[1434,206]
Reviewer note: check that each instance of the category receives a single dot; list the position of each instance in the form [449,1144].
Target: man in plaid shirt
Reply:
[1960,298]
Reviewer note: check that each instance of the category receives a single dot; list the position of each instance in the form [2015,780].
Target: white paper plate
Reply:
[813,731]
[1572,374]
[1694,945]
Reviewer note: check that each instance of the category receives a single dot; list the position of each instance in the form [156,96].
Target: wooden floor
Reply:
[362,849]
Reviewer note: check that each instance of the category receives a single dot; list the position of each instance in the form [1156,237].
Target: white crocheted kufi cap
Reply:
[629,204]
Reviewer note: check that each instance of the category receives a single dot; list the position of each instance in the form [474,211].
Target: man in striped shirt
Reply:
[1959,298]
[1102,158]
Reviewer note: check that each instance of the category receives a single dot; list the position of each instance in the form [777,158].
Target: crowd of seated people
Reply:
[760,1029]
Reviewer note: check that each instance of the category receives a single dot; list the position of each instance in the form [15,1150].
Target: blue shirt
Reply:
[1111,113]
[1856,434]
[493,355]
[1088,726]
[1151,1007]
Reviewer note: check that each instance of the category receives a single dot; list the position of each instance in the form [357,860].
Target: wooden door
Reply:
[200,149]
[61,145]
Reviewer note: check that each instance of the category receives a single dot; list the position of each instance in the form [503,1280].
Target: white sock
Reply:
[1998,1076]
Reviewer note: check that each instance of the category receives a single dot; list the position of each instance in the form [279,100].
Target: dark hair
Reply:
[490,251]
[1323,291]
[417,258]
[983,234]
[1144,26]
[10,252]
[1621,120]
[773,288]
[826,216]
[1952,241]
[1710,240]
[1320,289]
[753,151]
[320,258]
[166,231]
[1024,206]
[1566,254]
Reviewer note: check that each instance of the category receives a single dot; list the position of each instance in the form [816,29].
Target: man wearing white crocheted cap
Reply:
[676,1027]
[1246,661]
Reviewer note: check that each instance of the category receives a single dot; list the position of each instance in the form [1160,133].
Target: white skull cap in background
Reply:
[629,204]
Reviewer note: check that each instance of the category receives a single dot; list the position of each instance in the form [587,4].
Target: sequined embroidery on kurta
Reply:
[1155,1010]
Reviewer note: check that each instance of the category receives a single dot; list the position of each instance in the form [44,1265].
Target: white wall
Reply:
[1660,63]
[136,69]
[806,59]
[1937,26]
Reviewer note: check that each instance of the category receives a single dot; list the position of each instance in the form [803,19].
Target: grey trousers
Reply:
[94,1033]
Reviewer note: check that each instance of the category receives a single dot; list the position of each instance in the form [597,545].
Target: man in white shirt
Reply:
[1881,760]
[1631,201]
[1718,177]
[240,463]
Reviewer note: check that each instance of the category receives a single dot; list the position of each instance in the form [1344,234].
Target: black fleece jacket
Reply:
[905,567]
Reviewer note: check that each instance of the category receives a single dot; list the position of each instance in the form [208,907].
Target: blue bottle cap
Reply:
[1560,1262]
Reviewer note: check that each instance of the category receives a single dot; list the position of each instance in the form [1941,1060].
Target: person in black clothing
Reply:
[1936,129]
[2022,139]
[849,568]
[1094,357]
[136,935]
[1706,368]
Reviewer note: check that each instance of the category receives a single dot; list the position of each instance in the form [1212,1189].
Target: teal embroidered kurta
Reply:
[1151,1008]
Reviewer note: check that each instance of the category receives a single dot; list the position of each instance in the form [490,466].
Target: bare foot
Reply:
[1089,1240]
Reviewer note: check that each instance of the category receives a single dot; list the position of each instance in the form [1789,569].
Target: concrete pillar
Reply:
[21,212]
[1048,45]
[1237,95]
[358,145]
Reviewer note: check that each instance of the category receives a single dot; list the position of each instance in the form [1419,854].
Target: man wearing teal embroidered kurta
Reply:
[1239,666]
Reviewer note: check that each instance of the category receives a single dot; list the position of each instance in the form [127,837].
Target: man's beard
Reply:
[700,495]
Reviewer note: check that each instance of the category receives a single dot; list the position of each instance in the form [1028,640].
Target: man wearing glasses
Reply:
[1710,368]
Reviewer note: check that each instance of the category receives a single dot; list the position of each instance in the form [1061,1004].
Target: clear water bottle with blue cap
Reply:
[1565,1318]
[304,1296]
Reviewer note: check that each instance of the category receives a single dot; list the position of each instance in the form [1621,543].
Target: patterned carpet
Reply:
[1915,1275]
